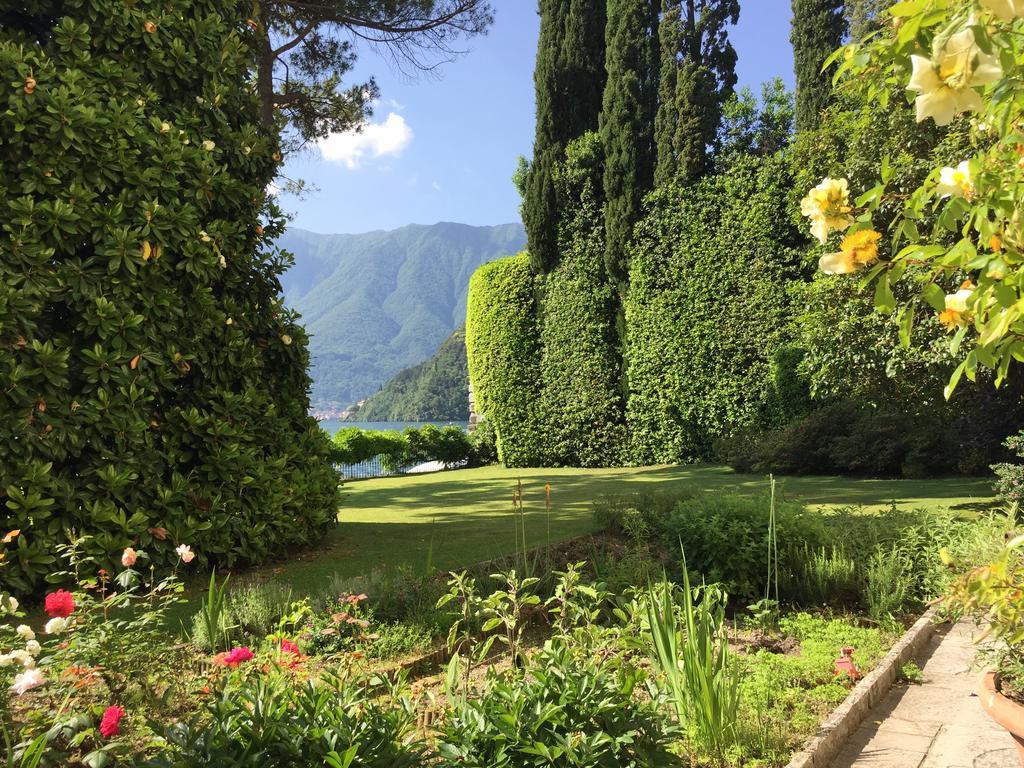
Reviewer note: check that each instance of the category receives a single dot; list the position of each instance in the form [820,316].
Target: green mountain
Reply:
[379,302]
[435,390]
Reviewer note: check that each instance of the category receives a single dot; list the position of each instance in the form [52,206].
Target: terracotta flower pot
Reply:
[1004,711]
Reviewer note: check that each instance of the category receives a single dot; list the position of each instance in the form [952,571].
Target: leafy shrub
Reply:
[485,445]
[156,383]
[889,584]
[353,445]
[503,349]
[612,513]
[1010,477]
[267,719]
[855,438]
[565,710]
[827,576]
[707,307]
[725,538]
[448,445]
[392,640]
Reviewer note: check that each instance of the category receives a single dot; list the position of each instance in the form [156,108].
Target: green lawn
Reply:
[465,516]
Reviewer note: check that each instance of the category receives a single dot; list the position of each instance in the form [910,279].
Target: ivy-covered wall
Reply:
[154,385]
[503,349]
[707,308]
[582,403]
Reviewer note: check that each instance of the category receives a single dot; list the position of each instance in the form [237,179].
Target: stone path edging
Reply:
[821,749]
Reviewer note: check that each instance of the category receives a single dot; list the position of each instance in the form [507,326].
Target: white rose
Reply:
[25,632]
[24,658]
[55,626]
[33,647]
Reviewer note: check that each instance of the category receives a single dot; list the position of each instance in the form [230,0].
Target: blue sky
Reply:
[443,147]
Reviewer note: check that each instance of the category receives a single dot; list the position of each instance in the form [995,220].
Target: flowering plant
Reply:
[959,237]
[70,679]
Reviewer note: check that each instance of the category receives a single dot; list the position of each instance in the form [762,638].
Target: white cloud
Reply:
[386,139]
[436,186]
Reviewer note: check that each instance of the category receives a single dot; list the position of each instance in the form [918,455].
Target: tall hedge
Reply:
[582,405]
[503,349]
[155,388]
[707,308]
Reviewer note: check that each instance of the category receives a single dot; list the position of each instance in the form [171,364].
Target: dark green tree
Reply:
[306,47]
[818,29]
[569,83]
[665,121]
[862,16]
[698,73]
[155,387]
[753,127]
[627,123]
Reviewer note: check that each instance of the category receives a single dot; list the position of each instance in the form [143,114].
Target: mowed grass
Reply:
[451,519]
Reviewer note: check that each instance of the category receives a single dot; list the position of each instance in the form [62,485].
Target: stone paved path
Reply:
[938,723]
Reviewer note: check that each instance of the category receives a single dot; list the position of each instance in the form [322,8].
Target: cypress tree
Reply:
[627,123]
[569,83]
[669,41]
[862,16]
[818,29]
[698,75]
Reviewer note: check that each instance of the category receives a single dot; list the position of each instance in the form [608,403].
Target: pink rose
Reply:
[27,680]
[128,557]
[185,553]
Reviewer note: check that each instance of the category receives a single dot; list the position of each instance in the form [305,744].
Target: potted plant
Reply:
[994,594]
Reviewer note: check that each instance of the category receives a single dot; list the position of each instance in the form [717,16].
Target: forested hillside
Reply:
[435,390]
[378,302]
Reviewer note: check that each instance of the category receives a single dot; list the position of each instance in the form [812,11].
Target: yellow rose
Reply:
[857,251]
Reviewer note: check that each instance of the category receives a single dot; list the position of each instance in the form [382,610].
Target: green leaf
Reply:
[884,299]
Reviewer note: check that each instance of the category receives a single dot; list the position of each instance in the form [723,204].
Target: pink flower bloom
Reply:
[27,680]
[110,725]
[287,646]
[185,553]
[60,603]
[128,557]
[233,658]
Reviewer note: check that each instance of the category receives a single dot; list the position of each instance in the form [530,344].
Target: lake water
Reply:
[332,425]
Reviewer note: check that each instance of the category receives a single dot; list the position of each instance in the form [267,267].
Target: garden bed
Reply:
[409,667]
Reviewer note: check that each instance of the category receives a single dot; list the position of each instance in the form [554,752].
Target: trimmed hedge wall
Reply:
[503,349]
[154,385]
[582,404]
[707,308]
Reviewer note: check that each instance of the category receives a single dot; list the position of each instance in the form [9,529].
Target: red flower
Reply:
[60,603]
[287,646]
[110,725]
